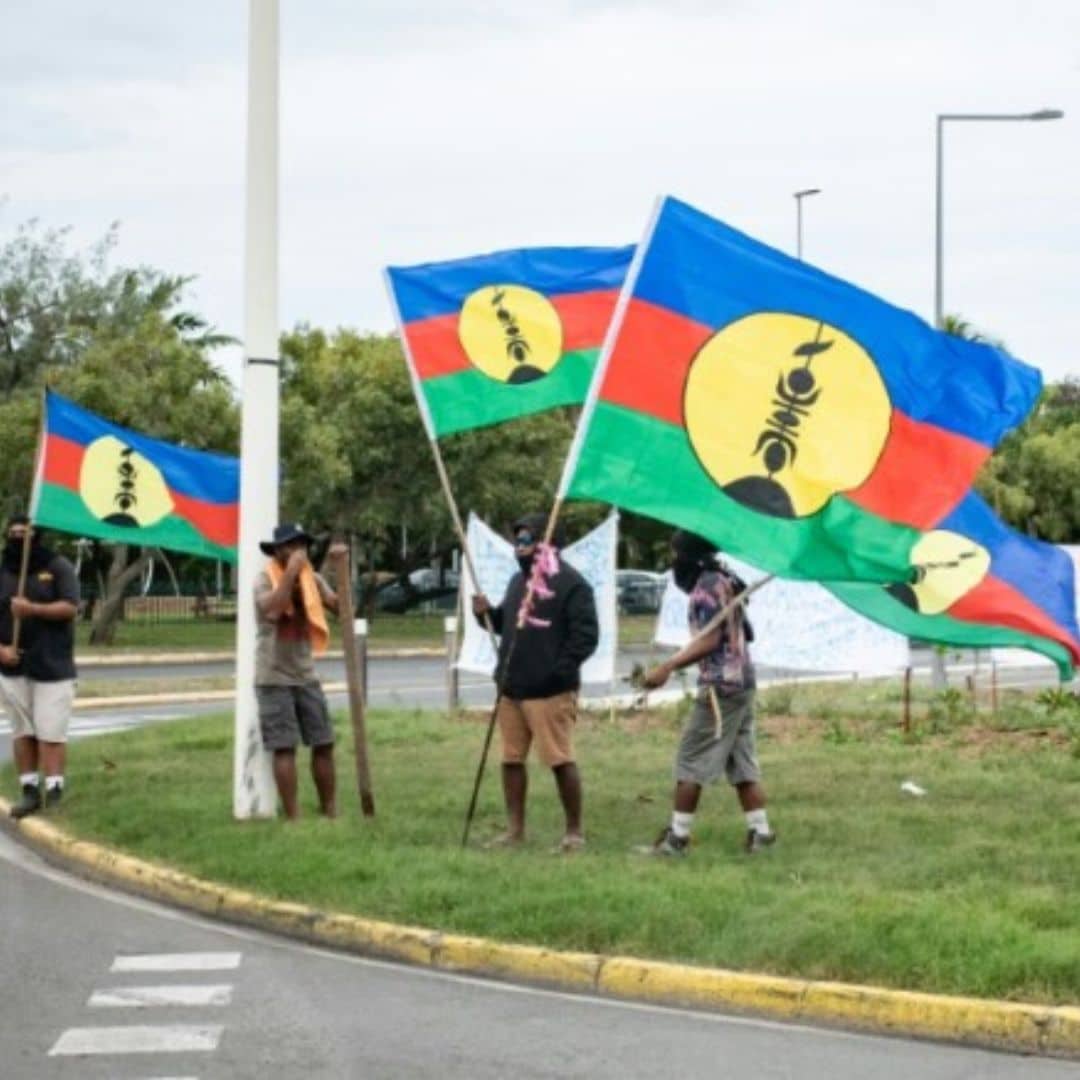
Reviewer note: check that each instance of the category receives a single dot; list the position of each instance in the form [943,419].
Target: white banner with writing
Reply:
[797,624]
[593,556]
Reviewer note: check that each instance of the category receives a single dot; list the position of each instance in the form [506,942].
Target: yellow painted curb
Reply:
[1040,1029]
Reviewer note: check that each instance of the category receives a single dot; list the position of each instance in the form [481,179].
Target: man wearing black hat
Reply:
[718,739]
[37,679]
[541,651]
[291,601]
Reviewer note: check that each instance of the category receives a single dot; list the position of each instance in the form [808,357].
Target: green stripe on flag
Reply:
[648,466]
[63,509]
[470,399]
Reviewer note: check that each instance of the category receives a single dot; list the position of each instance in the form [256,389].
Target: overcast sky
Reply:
[425,129]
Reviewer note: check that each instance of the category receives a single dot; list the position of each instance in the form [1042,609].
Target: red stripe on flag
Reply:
[647,371]
[923,472]
[436,349]
[218,522]
[585,317]
[998,603]
[63,462]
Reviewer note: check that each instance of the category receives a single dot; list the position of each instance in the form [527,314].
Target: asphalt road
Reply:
[97,984]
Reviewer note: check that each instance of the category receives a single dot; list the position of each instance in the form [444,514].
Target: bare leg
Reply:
[322,772]
[25,752]
[285,778]
[751,795]
[515,785]
[568,781]
[53,757]
[687,795]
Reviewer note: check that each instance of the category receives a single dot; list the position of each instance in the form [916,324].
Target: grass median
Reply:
[386,631]
[973,888]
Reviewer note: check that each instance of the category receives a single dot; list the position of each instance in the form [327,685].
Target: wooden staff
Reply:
[20,592]
[354,678]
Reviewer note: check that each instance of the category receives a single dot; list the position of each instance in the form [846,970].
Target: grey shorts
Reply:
[705,753]
[289,715]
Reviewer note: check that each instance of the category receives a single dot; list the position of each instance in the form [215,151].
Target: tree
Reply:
[118,343]
[355,455]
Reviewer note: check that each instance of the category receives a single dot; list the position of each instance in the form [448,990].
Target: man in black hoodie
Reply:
[541,650]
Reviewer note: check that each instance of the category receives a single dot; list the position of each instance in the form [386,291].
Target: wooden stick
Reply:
[354,678]
[20,592]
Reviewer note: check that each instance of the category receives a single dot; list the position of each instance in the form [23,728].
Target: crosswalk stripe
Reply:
[166,1039]
[199,961]
[137,997]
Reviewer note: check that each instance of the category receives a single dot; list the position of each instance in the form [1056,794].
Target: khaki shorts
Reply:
[549,722]
[41,710]
[709,750]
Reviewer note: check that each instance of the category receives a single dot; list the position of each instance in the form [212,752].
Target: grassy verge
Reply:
[386,632]
[970,889]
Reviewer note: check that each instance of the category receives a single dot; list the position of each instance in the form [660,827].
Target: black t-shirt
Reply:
[47,645]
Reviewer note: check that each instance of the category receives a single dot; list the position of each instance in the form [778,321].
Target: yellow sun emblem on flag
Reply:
[510,333]
[784,412]
[947,566]
[121,486]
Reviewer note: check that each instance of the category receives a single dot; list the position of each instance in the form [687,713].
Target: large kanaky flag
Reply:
[795,420]
[495,337]
[96,479]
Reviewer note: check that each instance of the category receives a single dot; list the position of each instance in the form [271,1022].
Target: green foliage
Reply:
[115,340]
[355,455]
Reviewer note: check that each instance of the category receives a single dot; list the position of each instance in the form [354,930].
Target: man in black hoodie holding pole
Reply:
[541,651]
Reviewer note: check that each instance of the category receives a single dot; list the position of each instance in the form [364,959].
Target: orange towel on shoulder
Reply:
[315,613]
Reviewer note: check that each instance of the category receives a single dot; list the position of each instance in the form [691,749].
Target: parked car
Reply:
[424,587]
[639,592]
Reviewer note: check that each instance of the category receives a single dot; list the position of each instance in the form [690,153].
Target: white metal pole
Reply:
[253,787]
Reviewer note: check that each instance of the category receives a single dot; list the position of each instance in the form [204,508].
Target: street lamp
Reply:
[1041,114]
[799,196]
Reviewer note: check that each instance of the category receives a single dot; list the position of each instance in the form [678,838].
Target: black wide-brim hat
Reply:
[285,534]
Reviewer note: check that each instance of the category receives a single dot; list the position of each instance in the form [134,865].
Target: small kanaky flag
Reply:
[96,479]
[500,336]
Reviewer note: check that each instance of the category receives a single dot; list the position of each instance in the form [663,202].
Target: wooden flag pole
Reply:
[20,592]
[354,678]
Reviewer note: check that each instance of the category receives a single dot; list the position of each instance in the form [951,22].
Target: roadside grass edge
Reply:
[1027,1028]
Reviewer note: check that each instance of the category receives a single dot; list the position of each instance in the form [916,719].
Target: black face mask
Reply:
[11,557]
[525,562]
[686,572]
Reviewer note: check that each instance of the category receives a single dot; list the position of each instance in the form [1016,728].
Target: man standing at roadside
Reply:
[718,739]
[541,651]
[291,602]
[37,678]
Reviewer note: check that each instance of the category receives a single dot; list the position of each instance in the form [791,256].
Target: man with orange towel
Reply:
[291,602]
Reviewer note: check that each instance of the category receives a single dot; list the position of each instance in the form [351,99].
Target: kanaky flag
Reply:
[96,479]
[794,419]
[981,584]
[499,336]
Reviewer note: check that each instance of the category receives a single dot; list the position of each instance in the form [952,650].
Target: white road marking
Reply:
[139,997]
[198,961]
[166,1039]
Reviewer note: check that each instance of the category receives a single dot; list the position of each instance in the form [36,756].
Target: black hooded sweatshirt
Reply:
[546,660]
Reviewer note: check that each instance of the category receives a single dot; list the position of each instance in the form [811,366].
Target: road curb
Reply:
[1016,1026]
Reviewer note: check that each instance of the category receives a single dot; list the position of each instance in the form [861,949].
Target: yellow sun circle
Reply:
[122,487]
[510,333]
[785,411]
[947,566]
